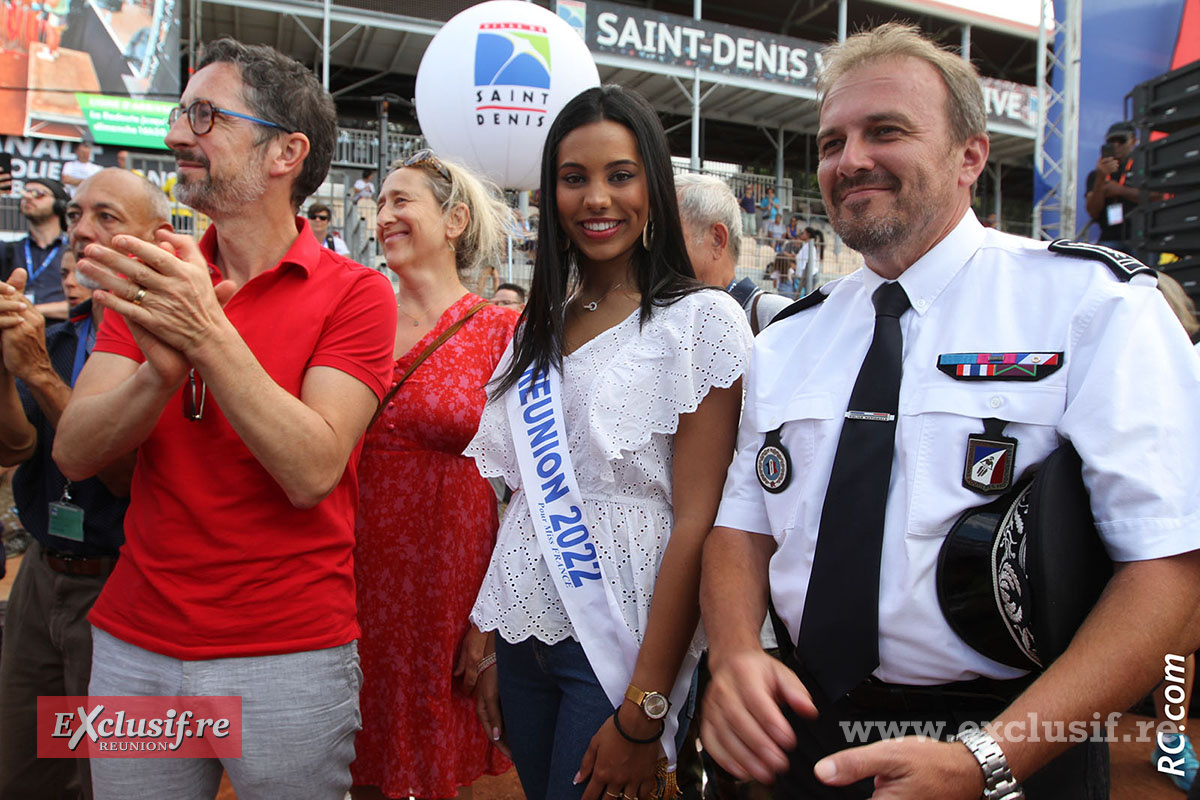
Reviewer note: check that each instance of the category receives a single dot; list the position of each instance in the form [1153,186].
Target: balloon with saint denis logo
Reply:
[491,82]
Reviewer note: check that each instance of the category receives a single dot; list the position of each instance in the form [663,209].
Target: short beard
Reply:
[38,219]
[219,197]
[869,234]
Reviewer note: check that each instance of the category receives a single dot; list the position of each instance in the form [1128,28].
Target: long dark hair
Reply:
[818,237]
[663,272]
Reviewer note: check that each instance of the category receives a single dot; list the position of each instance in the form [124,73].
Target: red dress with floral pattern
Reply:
[426,526]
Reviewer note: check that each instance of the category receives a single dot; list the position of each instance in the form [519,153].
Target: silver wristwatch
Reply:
[998,781]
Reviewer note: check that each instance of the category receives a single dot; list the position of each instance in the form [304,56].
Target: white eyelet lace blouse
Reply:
[623,392]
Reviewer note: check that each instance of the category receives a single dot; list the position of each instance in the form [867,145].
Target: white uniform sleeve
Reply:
[1132,401]
[742,505]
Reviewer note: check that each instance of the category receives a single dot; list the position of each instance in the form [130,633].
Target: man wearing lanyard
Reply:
[44,204]
[77,527]
[1109,201]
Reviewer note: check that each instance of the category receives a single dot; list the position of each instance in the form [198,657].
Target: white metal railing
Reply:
[738,181]
[360,148]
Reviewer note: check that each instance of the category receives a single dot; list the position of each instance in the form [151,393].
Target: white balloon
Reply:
[492,81]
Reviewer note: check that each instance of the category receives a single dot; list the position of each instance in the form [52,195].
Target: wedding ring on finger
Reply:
[614,794]
[140,296]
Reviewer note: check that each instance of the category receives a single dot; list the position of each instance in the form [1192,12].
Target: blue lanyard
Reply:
[84,331]
[34,273]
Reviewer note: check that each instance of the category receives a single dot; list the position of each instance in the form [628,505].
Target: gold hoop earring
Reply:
[648,234]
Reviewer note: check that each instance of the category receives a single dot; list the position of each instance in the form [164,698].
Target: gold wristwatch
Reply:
[653,705]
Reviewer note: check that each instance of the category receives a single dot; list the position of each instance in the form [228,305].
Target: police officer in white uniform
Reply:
[1003,340]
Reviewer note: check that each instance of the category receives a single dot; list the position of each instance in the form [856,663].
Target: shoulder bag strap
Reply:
[755,327]
[434,345]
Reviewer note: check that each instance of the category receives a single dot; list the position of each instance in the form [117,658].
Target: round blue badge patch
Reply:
[773,465]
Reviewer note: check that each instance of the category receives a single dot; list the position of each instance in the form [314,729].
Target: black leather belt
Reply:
[875,695]
[76,564]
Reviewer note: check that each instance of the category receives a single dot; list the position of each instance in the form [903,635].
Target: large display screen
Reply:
[104,70]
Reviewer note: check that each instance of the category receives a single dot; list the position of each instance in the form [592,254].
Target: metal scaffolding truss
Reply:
[1055,162]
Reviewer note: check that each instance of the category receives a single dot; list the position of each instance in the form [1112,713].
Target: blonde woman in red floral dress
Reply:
[427,519]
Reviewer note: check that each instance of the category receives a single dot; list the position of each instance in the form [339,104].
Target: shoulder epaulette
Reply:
[813,298]
[1123,265]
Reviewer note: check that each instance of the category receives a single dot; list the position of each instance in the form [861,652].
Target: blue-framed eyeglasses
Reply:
[200,116]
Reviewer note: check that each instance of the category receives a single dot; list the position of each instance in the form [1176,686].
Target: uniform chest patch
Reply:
[773,464]
[999,366]
[991,455]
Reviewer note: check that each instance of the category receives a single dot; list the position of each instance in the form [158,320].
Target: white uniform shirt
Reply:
[1125,396]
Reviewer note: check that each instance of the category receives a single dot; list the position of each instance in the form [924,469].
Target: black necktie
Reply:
[839,632]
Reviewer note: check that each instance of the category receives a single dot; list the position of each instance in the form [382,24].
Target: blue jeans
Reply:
[299,719]
[553,704]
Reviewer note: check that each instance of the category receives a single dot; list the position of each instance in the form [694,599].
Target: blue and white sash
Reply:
[539,433]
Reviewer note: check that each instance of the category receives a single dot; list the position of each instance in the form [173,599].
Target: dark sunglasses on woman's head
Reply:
[425,156]
[322,217]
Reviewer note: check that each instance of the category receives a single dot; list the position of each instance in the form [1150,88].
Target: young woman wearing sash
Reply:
[615,416]
[426,518]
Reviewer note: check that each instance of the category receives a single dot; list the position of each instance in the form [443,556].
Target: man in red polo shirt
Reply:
[244,372]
